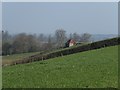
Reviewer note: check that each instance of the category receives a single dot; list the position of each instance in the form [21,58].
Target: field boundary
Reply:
[90,46]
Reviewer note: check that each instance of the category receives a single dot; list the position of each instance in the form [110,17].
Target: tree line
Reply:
[23,42]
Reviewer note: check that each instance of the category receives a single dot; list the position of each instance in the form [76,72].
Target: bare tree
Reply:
[24,43]
[6,37]
[6,42]
[70,36]
[6,48]
[32,43]
[60,35]
[41,37]
[49,44]
[76,37]
[85,37]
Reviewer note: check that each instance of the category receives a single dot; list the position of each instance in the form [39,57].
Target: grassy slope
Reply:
[8,59]
[96,68]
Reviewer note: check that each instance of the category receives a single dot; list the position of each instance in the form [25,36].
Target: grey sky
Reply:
[38,17]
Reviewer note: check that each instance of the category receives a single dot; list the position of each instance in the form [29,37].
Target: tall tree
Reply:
[6,48]
[70,36]
[6,43]
[49,44]
[76,37]
[60,35]
[24,43]
[85,37]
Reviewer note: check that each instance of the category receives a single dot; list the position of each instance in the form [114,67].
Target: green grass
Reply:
[14,57]
[91,69]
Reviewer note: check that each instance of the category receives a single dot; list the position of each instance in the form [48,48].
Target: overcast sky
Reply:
[40,17]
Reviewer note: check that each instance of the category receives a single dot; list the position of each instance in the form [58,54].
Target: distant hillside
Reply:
[98,37]
[67,51]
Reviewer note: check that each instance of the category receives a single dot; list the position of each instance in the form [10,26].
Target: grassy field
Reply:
[10,58]
[90,69]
